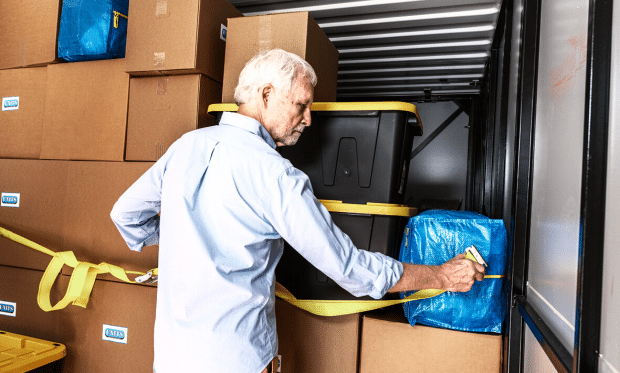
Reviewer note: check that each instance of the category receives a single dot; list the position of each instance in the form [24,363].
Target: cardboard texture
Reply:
[86,111]
[23,96]
[162,109]
[29,32]
[310,343]
[65,206]
[20,286]
[91,191]
[294,32]
[390,344]
[177,37]
[42,188]
[111,303]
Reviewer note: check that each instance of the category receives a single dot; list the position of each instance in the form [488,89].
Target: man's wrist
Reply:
[418,277]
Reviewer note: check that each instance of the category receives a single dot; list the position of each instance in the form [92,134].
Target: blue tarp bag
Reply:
[436,236]
[92,29]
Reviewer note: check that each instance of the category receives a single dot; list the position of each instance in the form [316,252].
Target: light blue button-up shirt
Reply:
[227,201]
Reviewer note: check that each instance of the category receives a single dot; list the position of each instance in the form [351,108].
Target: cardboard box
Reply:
[162,109]
[65,206]
[177,37]
[91,191]
[18,293]
[21,118]
[29,32]
[41,188]
[294,32]
[118,306]
[309,343]
[86,111]
[390,344]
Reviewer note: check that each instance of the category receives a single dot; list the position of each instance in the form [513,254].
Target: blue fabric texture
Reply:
[435,236]
[87,30]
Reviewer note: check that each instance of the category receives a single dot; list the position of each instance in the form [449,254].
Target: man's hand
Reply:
[457,274]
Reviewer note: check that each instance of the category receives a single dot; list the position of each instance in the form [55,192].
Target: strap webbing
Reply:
[84,275]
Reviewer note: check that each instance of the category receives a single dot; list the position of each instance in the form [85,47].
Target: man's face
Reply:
[288,113]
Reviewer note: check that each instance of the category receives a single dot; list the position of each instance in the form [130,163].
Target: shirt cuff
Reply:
[393,271]
[153,240]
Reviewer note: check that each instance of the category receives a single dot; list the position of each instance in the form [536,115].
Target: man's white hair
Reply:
[276,67]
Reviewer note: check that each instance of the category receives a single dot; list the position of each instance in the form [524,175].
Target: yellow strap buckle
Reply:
[148,278]
[117,15]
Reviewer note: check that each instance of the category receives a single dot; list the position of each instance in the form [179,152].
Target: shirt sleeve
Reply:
[308,227]
[135,214]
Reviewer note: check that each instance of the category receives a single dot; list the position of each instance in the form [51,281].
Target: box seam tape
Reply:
[264,33]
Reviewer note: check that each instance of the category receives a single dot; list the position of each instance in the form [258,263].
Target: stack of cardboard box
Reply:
[175,55]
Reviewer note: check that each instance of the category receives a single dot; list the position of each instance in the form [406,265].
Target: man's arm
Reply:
[307,226]
[457,274]
[135,214]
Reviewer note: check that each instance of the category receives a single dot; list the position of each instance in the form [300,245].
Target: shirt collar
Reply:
[248,124]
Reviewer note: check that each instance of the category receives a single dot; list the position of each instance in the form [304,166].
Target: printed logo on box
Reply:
[8,308]
[113,333]
[9,200]
[10,103]
[223,31]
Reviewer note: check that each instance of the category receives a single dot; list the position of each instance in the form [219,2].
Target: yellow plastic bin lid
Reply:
[370,208]
[339,106]
[19,353]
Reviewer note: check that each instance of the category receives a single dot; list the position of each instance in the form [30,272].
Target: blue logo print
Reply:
[114,333]
[11,103]
[7,308]
[9,200]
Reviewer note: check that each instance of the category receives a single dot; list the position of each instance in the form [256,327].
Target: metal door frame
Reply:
[592,213]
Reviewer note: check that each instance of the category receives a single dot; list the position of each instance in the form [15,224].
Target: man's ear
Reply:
[266,92]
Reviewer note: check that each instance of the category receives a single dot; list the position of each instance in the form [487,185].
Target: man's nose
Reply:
[307,117]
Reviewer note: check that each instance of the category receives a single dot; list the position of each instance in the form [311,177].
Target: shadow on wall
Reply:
[438,174]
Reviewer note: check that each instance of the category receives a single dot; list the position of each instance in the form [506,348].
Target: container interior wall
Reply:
[439,172]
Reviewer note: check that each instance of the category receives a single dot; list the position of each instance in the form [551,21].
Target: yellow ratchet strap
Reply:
[82,279]
[116,16]
[84,276]
[346,307]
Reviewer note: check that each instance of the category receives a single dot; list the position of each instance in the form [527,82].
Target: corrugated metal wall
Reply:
[401,50]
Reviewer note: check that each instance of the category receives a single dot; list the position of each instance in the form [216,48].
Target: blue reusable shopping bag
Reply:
[92,29]
[435,237]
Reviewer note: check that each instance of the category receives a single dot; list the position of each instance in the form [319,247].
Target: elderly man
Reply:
[227,201]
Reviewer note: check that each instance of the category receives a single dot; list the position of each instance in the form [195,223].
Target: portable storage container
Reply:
[356,152]
[20,354]
[373,227]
